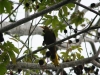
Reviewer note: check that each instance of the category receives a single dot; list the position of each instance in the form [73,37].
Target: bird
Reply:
[49,38]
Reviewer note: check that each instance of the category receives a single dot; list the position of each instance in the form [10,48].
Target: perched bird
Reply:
[49,38]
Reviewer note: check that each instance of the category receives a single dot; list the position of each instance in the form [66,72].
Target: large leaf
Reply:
[65,55]
[65,10]
[42,7]
[48,16]
[1,7]
[70,5]
[54,21]
[47,19]
[47,22]
[12,56]
[9,48]
[2,69]
[77,18]
[79,56]
[12,47]
[7,5]
[6,58]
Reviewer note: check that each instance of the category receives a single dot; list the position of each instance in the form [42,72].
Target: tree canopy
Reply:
[64,27]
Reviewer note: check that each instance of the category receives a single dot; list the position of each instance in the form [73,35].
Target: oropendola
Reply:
[49,38]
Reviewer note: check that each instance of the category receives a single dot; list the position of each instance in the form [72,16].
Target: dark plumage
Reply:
[49,38]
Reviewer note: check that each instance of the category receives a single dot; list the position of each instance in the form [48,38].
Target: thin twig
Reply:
[87,8]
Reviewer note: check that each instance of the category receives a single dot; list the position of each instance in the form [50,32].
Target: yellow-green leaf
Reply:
[12,56]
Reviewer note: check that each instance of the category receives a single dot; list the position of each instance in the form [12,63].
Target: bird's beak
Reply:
[42,27]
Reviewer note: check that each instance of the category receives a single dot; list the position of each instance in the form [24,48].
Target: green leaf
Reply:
[65,10]
[80,49]
[2,69]
[2,56]
[7,5]
[55,21]
[61,27]
[20,0]
[74,56]
[12,56]
[41,8]
[56,32]
[36,61]
[36,56]
[60,12]
[77,47]
[79,56]
[77,18]
[65,55]
[47,22]
[27,59]
[6,59]
[26,52]
[27,73]
[12,47]
[70,5]
[43,52]
[48,16]
[1,7]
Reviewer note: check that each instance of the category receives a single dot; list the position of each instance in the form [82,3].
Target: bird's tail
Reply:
[54,59]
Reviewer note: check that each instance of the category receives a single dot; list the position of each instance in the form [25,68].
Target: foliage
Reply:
[5,6]
[77,18]
[7,55]
[57,20]
[70,55]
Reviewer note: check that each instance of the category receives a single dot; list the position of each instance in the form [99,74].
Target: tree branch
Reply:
[91,43]
[26,65]
[95,63]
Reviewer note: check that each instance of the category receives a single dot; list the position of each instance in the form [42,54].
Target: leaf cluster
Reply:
[5,6]
[8,51]
[73,53]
